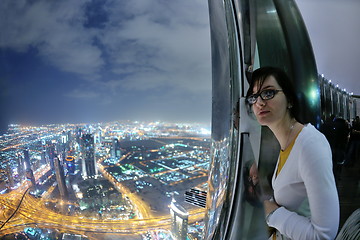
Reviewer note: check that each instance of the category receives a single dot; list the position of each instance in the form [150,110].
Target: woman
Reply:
[305,204]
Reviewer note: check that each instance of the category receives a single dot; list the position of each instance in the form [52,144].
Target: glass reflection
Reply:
[251,184]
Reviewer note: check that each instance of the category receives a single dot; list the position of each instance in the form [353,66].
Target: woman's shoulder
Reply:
[312,143]
[312,140]
[310,133]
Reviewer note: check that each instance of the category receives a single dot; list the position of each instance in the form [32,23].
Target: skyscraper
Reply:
[51,155]
[89,168]
[9,176]
[20,167]
[60,178]
[44,156]
[179,221]
[28,170]
[64,137]
[115,149]
[98,136]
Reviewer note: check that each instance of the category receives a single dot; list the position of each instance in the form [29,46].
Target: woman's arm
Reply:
[315,169]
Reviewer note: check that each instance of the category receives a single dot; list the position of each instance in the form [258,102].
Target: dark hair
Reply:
[258,78]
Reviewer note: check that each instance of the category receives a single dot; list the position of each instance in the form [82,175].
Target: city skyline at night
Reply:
[155,164]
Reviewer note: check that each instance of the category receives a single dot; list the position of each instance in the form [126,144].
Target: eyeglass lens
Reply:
[265,95]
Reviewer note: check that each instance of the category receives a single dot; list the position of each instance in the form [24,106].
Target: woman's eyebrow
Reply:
[269,86]
[266,87]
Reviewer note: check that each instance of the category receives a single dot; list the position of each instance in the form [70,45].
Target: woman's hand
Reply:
[270,206]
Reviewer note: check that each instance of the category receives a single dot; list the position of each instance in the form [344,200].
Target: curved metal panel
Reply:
[226,203]
[236,46]
[303,63]
[221,125]
[284,42]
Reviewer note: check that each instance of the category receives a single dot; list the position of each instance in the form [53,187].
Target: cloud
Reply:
[169,42]
[55,30]
[126,55]
[82,94]
[160,46]
[155,51]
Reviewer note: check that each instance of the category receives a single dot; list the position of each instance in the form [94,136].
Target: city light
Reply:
[79,180]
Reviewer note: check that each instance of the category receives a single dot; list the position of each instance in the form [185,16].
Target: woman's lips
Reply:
[261,113]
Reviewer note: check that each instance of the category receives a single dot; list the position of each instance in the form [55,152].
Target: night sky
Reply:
[93,61]
[105,60]
[334,30]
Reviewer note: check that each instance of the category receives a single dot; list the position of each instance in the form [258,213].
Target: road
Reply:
[33,212]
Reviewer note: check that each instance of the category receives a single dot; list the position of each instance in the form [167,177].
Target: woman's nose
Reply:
[260,102]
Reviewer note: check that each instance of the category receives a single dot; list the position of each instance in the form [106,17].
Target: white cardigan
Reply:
[306,191]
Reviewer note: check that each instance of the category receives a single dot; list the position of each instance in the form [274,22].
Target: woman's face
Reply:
[272,111]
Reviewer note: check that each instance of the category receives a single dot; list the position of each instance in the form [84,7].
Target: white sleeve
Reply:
[315,167]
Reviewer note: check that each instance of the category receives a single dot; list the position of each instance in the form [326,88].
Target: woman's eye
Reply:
[267,93]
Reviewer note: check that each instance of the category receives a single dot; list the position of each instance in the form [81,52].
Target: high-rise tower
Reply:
[89,168]
[10,176]
[115,149]
[179,221]
[60,178]
[98,136]
[28,170]
[51,156]
[20,167]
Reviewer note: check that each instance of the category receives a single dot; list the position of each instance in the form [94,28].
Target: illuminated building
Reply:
[9,176]
[20,168]
[64,143]
[64,137]
[28,170]
[179,221]
[69,136]
[98,136]
[44,156]
[68,236]
[51,156]
[78,135]
[115,149]
[70,164]
[88,156]
[196,197]
[60,178]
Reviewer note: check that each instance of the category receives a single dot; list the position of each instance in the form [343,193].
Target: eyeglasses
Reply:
[266,94]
